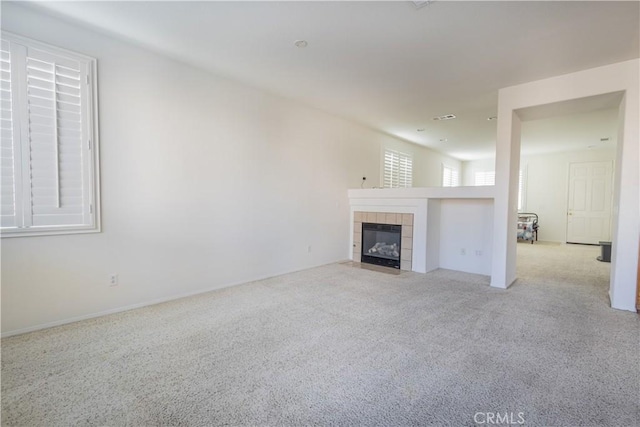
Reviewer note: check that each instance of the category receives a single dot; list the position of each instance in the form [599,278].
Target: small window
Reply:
[450,176]
[485,178]
[398,169]
[520,191]
[49,140]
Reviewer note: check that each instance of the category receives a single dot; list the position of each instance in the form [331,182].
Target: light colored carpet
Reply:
[339,345]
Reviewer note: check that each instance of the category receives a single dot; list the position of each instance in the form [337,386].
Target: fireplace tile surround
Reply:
[394,218]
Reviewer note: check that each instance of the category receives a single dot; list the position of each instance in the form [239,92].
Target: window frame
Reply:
[400,155]
[453,170]
[522,189]
[484,174]
[92,134]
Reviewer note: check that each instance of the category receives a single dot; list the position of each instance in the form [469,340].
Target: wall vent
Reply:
[445,117]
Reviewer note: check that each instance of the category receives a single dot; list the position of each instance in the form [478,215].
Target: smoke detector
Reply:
[445,117]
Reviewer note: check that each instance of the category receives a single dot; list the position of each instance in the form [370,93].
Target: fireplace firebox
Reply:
[381,244]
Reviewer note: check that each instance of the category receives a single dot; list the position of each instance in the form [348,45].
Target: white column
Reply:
[503,272]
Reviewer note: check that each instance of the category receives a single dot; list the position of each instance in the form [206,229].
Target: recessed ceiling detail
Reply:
[421,4]
[445,117]
[301,43]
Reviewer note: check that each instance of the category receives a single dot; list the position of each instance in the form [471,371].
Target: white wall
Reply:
[205,183]
[466,235]
[546,182]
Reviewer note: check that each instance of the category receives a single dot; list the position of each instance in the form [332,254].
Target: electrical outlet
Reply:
[463,251]
[113,280]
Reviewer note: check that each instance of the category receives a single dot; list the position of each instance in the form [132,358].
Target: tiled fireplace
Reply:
[405,220]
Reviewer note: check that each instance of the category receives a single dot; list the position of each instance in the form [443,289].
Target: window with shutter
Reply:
[8,176]
[520,191]
[49,140]
[450,176]
[398,169]
[485,178]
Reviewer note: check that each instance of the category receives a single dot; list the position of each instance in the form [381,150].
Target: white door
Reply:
[589,213]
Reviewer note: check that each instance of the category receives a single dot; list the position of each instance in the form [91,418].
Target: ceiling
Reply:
[387,65]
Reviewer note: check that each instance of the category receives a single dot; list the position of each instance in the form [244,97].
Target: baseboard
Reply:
[146,303]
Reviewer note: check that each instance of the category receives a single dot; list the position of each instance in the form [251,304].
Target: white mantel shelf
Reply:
[484,192]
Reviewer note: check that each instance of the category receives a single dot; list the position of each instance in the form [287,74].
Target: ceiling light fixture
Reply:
[301,43]
[604,139]
[491,118]
[445,117]
[443,139]
[420,130]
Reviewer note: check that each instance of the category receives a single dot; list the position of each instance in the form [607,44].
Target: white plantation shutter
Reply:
[398,169]
[520,191]
[450,176]
[391,165]
[485,178]
[55,137]
[7,155]
[52,110]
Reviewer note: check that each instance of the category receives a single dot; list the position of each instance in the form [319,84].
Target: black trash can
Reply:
[605,252]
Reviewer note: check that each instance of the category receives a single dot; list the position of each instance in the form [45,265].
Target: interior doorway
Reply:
[618,80]
[566,183]
[565,174]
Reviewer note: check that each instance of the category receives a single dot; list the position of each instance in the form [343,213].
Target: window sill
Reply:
[46,231]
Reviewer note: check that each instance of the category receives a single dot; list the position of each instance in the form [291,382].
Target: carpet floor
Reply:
[342,345]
